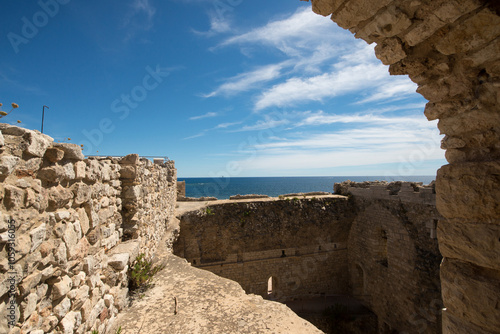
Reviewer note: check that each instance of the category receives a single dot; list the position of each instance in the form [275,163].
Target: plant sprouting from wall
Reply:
[4,113]
[141,273]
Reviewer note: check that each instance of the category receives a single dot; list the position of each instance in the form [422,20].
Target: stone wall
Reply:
[300,243]
[378,245]
[69,229]
[451,49]
[393,255]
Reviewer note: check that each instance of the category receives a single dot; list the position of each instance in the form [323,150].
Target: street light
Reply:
[43,113]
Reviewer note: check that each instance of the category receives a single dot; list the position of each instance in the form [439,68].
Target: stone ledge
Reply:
[206,303]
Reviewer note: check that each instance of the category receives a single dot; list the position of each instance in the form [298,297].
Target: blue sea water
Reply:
[222,188]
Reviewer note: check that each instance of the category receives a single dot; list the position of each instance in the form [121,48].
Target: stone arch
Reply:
[358,281]
[272,287]
[451,49]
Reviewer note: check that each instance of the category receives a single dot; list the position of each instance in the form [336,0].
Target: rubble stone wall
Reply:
[378,244]
[69,229]
[451,49]
[301,243]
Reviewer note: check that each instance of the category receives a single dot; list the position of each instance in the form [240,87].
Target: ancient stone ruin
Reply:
[378,246]
[76,224]
[451,49]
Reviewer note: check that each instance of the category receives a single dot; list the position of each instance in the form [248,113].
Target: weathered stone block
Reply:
[387,24]
[29,283]
[71,321]
[7,164]
[469,191]
[59,196]
[62,215]
[54,154]
[128,172]
[28,306]
[356,11]
[14,197]
[82,193]
[423,30]
[84,220]
[476,243]
[131,159]
[455,325]
[472,292]
[37,143]
[130,247]
[119,261]
[133,192]
[326,7]
[71,151]
[471,34]
[61,309]
[37,236]
[390,51]
[61,288]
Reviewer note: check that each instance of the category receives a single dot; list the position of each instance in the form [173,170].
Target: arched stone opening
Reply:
[358,282]
[271,287]
[381,247]
[451,49]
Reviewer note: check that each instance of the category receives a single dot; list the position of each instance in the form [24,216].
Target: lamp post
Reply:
[43,114]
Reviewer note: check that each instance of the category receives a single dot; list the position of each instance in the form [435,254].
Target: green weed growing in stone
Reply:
[209,211]
[141,273]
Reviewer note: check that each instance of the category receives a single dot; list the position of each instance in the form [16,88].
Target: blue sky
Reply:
[223,87]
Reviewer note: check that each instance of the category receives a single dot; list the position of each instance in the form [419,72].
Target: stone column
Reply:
[451,49]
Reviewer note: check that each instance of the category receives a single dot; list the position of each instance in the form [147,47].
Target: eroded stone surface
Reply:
[206,303]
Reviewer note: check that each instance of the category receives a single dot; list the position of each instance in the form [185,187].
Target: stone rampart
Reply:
[377,249]
[69,229]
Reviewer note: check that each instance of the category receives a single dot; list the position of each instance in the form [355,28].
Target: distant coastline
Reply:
[224,187]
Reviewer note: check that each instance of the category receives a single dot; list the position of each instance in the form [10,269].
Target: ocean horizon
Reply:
[224,187]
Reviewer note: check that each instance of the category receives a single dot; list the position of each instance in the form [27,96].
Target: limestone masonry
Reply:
[70,227]
[77,224]
[378,246]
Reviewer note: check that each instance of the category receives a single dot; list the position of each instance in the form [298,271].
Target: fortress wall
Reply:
[382,251]
[246,242]
[394,262]
[451,49]
[69,229]
[299,274]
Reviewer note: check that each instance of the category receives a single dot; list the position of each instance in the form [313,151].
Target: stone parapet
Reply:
[70,227]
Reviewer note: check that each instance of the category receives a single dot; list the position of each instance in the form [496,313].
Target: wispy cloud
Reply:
[140,17]
[201,134]
[322,118]
[292,35]
[207,115]
[218,24]
[357,73]
[391,143]
[307,75]
[248,80]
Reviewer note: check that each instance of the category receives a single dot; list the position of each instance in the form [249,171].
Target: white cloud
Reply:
[359,147]
[321,118]
[294,34]
[226,125]
[201,134]
[267,123]
[140,17]
[207,115]
[218,24]
[245,81]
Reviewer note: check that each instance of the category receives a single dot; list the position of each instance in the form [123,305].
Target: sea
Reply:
[224,187]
